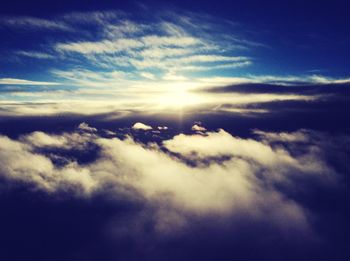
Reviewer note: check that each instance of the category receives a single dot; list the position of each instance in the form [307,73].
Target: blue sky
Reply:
[70,51]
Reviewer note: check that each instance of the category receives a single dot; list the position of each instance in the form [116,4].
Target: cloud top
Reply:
[206,174]
[141,126]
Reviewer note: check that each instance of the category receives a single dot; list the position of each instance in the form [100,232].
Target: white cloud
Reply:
[120,101]
[139,47]
[19,163]
[161,52]
[326,80]
[148,75]
[179,41]
[37,55]
[173,76]
[85,127]
[199,128]
[295,79]
[243,184]
[129,56]
[41,139]
[74,140]
[222,143]
[105,46]
[141,126]
[12,81]
[210,58]
[298,136]
[273,79]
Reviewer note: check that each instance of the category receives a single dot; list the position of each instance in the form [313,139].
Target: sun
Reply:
[179,98]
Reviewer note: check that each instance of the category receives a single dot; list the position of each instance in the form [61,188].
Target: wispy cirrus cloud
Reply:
[112,53]
[34,23]
[160,46]
[12,81]
[38,55]
[277,80]
[105,46]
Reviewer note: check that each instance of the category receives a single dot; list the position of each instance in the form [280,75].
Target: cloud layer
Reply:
[210,173]
[179,187]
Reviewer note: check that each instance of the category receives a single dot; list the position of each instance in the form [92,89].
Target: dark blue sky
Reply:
[294,37]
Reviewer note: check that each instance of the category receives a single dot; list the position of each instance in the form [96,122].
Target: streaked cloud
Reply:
[99,47]
[112,54]
[11,81]
[163,48]
[119,103]
[38,55]
[35,23]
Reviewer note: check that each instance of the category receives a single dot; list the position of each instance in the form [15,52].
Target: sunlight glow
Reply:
[179,98]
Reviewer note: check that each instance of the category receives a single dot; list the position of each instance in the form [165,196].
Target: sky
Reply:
[174,130]
[113,51]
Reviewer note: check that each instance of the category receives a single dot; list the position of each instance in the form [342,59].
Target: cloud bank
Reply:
[204,174]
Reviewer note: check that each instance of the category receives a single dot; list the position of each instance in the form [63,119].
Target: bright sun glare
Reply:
[179,98]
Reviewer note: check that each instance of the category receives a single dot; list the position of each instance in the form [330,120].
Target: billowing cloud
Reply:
[141,126]
[85,127]
[199,128]
[20,163]
[231,176]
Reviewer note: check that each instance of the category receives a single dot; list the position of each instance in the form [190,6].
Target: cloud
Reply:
[37,55]
[85,127]
[35,23]
[12,81]
[231,177]
[223,190]
[93,17]
[327,80]
[105,46]
[67,141]
[161,52]
[148,75]
[278,80]
[20,163]
[121,101]
[221,144]
[160,46]
[128,57]
[141,126]
[298,136]
[197,127]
